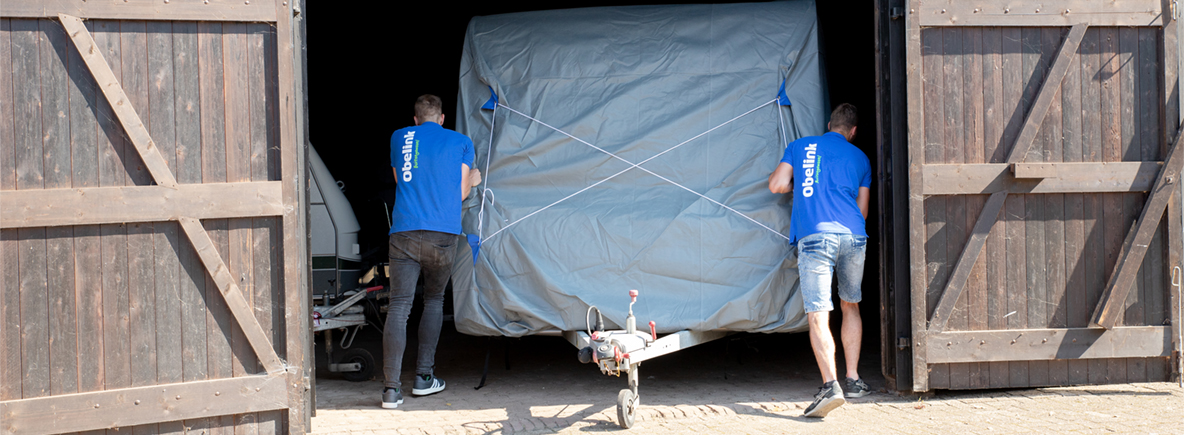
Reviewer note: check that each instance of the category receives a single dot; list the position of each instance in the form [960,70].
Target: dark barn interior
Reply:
[364,78]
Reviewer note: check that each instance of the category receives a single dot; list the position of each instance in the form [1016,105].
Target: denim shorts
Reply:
[819,256]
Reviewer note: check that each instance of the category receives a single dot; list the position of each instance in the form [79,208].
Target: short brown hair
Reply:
[844,116]
[428,107]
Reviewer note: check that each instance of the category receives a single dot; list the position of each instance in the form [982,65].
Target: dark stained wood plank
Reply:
[1155,285]
[1007,13]
[26,104]
[1111,117]
[1092,212]
[238,168]
[55,104]
[187,103]
[144,154]
[995,152]
[55,109]
[1046,344]
[116,327]
[219,324]
[84,125]
[10,339]
[264,124]
[1073,291]
[212,10]
[134,80]
[88,260]
[142,302]
[140,246]
[134,406]
[1046,95]
[955,141]
[1017,298]
[187,111]
[973,119]
[165,243]
[935,207]
[88,288]
[292,145]
[1035,69]
[10,335]
[63,332]
[111,138]
[995,296]
[54,207]
[7,119]
[1015,310]
[33,323]
[266,261]
[34,317]
[1054,204]
[1169,99]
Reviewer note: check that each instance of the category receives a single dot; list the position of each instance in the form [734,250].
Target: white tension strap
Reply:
[480,215]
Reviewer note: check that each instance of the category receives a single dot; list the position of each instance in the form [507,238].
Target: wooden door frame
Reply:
[286,384]
[930,343]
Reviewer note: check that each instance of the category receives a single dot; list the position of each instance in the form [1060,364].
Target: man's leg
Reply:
[849,272]
[823,344]
[815,269]
[852,337]
[439,252]
[404,272]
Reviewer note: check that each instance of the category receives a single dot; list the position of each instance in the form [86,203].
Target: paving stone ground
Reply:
[743,384]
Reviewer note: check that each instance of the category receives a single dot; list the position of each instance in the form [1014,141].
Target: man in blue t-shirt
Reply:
[431,166]
[830,199]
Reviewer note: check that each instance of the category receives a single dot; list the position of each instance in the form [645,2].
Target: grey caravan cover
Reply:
[569,221]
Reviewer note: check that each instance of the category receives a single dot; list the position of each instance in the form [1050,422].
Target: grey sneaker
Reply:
[856,388]
[427,384]
[391,398]
[829,397]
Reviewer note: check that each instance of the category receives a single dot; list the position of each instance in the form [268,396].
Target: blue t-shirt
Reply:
[427,161]
[827,174]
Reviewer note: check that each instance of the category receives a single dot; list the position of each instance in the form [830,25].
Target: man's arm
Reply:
[865,195]
[396,172]
[780,178]
[465,184]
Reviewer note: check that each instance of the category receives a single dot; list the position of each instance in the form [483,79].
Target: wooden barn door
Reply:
[1044,206]
[150,229]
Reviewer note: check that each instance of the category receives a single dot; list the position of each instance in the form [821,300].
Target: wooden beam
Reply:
[1016,13]
[120,104]
[1138,239]
[233,295]
[175,10]
[111,205]
[123,408]
[1048,90]
[1086,177]
[1049,344]
[974,248]
[1035,170]
[289,31]
[918,272]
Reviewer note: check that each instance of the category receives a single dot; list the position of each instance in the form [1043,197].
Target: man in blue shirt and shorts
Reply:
[431,166]
[830,200]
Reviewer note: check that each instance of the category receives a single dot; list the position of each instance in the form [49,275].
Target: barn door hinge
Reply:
[896,12]
[902,343]
[1175,12]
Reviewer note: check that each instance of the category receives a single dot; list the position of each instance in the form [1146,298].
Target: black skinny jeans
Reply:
[410,253]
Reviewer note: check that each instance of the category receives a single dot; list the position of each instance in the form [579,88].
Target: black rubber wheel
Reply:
[362,357]
[626,406]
